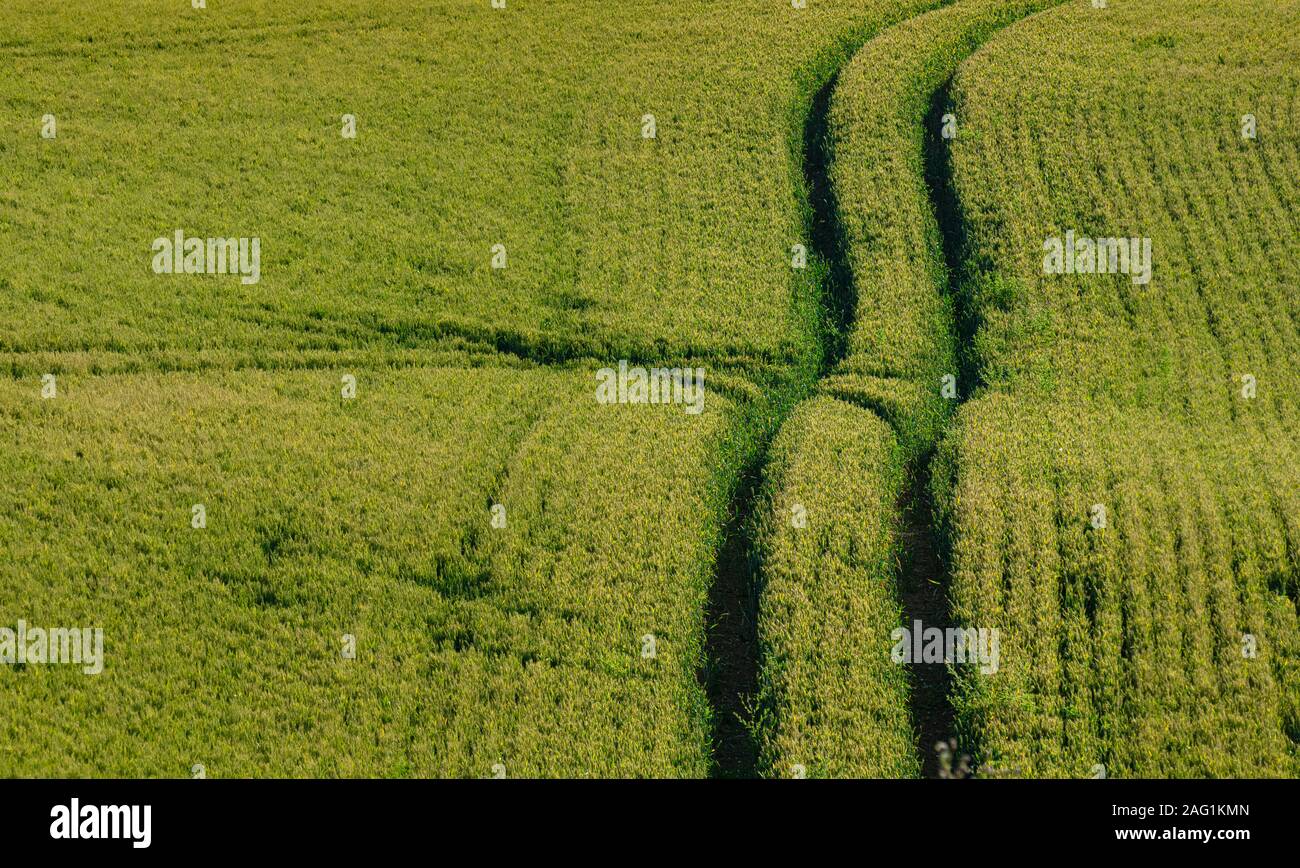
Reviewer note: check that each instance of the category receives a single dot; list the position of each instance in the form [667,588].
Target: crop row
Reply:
[1120,500]
[1142,575]
[833,703]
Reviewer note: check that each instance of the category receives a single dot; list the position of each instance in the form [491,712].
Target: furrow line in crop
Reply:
[730,669]
[882,202]
[924,578]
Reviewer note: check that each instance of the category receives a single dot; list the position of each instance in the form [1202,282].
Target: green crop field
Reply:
[1164,643]
[422,388]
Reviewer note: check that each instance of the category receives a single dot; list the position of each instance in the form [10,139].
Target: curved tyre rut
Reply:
[732,653]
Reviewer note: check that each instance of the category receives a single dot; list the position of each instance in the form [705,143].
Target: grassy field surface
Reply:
[472,566]
[475,644]
[1161,641]
[476,127]
[523,646]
